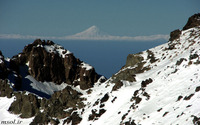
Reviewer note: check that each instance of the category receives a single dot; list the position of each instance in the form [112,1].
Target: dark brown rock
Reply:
[95,115]
[66,98]
[52,67]
[26,105]
[188,97]
[175,35]
[196,120]
[130,123]
[3,68]
[118,84]
[197,89]
[151,56]
[179,98]
[165,114]
[146,82]
[133,59]
[193,21]
[74,119]
[105,98]
[137,64]
[5,89]
[40,118]
[180,61]
[137,99]
[128,74]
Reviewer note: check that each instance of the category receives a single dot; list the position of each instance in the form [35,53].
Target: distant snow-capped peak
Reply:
[92,31]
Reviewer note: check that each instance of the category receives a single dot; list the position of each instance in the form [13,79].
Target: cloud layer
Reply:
[128,38]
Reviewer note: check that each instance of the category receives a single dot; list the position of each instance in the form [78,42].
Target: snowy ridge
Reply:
[172,97]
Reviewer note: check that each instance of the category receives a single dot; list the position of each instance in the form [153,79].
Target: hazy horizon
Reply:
[115,17]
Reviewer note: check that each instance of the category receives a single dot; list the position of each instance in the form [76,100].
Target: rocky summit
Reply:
[46,84]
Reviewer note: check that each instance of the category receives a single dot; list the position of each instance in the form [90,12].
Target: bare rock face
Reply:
[50,62]
[193,21]
[175,35]
[3,68]
[26,105]
[5,89]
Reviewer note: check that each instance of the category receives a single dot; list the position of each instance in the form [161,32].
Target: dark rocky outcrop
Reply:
[118,84]
[5,89]
[146,82]
[67,98]
[75,119]
[54,66]
[135,61]
[197,89]
[54,107]
[128,74]
[48,110]
[3,68]
[151,56]
[130,122]
[25,104]
[105,98]
[196,120]
[95,115]
[41,118]
[180,61]
[193,21]
[175,35]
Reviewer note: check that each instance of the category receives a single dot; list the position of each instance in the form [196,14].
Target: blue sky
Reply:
[115,17]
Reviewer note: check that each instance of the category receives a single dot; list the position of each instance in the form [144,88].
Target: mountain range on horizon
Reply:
[47,84]
[92,33]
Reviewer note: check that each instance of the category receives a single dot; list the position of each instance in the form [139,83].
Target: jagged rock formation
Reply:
[50,62]
[193,21]
[156,86]
[46,62]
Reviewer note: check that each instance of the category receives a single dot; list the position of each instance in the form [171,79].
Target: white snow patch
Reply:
[46,87]
[6,116]
[86,66]
[57,49]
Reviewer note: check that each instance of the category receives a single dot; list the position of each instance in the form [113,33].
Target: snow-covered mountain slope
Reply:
[167,92]
[155,87]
